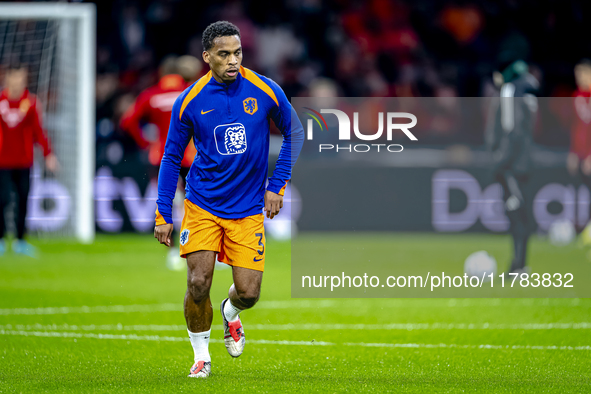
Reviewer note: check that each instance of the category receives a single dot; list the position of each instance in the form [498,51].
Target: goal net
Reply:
[56,42]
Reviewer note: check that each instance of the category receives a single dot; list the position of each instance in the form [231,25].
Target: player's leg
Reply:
[198,309]
[584,229]
[246,289]
[200,240]
[243,294]
[5,187]
[244,249]
[520,240]
[516,210]
[22,181]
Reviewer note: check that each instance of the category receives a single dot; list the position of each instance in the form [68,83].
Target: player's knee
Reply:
[198,287]
[248,297]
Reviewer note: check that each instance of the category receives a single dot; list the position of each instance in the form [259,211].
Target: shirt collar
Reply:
[231,87]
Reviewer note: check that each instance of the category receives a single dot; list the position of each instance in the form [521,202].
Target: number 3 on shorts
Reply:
[262,251]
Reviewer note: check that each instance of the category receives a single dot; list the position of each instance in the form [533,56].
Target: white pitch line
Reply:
[308,327]
[455,346]
[302,304]
[65,310]
[133,337]
[406,302]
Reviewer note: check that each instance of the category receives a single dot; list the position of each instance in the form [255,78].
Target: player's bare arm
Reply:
[273,203]
[163,234]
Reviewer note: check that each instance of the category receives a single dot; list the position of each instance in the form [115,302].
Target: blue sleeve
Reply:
[289,124]
[179,135]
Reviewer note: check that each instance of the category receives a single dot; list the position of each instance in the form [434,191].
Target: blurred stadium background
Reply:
[374,48]
[118,290]
[377,48]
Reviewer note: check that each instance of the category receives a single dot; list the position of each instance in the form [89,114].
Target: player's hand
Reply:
[163,234]
[273,203]
[51,163]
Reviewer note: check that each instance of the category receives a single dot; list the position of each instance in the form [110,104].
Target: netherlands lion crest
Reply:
[250,105]
[230,139]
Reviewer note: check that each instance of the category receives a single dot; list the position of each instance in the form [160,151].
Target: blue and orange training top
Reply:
[229,124]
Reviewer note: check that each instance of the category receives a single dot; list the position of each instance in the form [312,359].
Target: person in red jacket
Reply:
[579,157]
[20,122]
[154,105]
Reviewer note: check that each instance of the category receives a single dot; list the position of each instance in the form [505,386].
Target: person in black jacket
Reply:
[510,140]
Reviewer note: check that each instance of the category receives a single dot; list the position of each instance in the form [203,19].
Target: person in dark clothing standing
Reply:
[510,140]
[20,122]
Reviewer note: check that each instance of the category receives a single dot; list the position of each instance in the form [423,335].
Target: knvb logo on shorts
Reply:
[230,139]
[345,130]
[184,236]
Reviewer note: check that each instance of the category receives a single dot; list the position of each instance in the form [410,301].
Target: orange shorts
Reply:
[239,242]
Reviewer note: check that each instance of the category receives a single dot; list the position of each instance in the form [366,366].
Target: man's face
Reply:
[224,58]
[16,81]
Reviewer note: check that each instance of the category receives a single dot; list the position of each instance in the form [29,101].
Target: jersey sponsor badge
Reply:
[184,236]
[250,105]
[230,139]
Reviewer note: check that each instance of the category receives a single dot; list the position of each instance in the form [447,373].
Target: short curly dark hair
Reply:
[218,29]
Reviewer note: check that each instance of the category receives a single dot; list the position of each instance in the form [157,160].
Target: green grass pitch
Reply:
[107,318]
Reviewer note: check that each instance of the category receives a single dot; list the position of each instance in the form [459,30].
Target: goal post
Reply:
[62,42]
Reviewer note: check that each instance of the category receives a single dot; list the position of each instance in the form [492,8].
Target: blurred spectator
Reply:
[579,157]
[20,122]
[323,87]
[189,67]
[464,23]
[510,141]
[154,106]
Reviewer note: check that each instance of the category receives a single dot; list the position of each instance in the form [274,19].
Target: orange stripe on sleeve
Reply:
[254,79]
[159,219]
[195,91]
[282,191]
